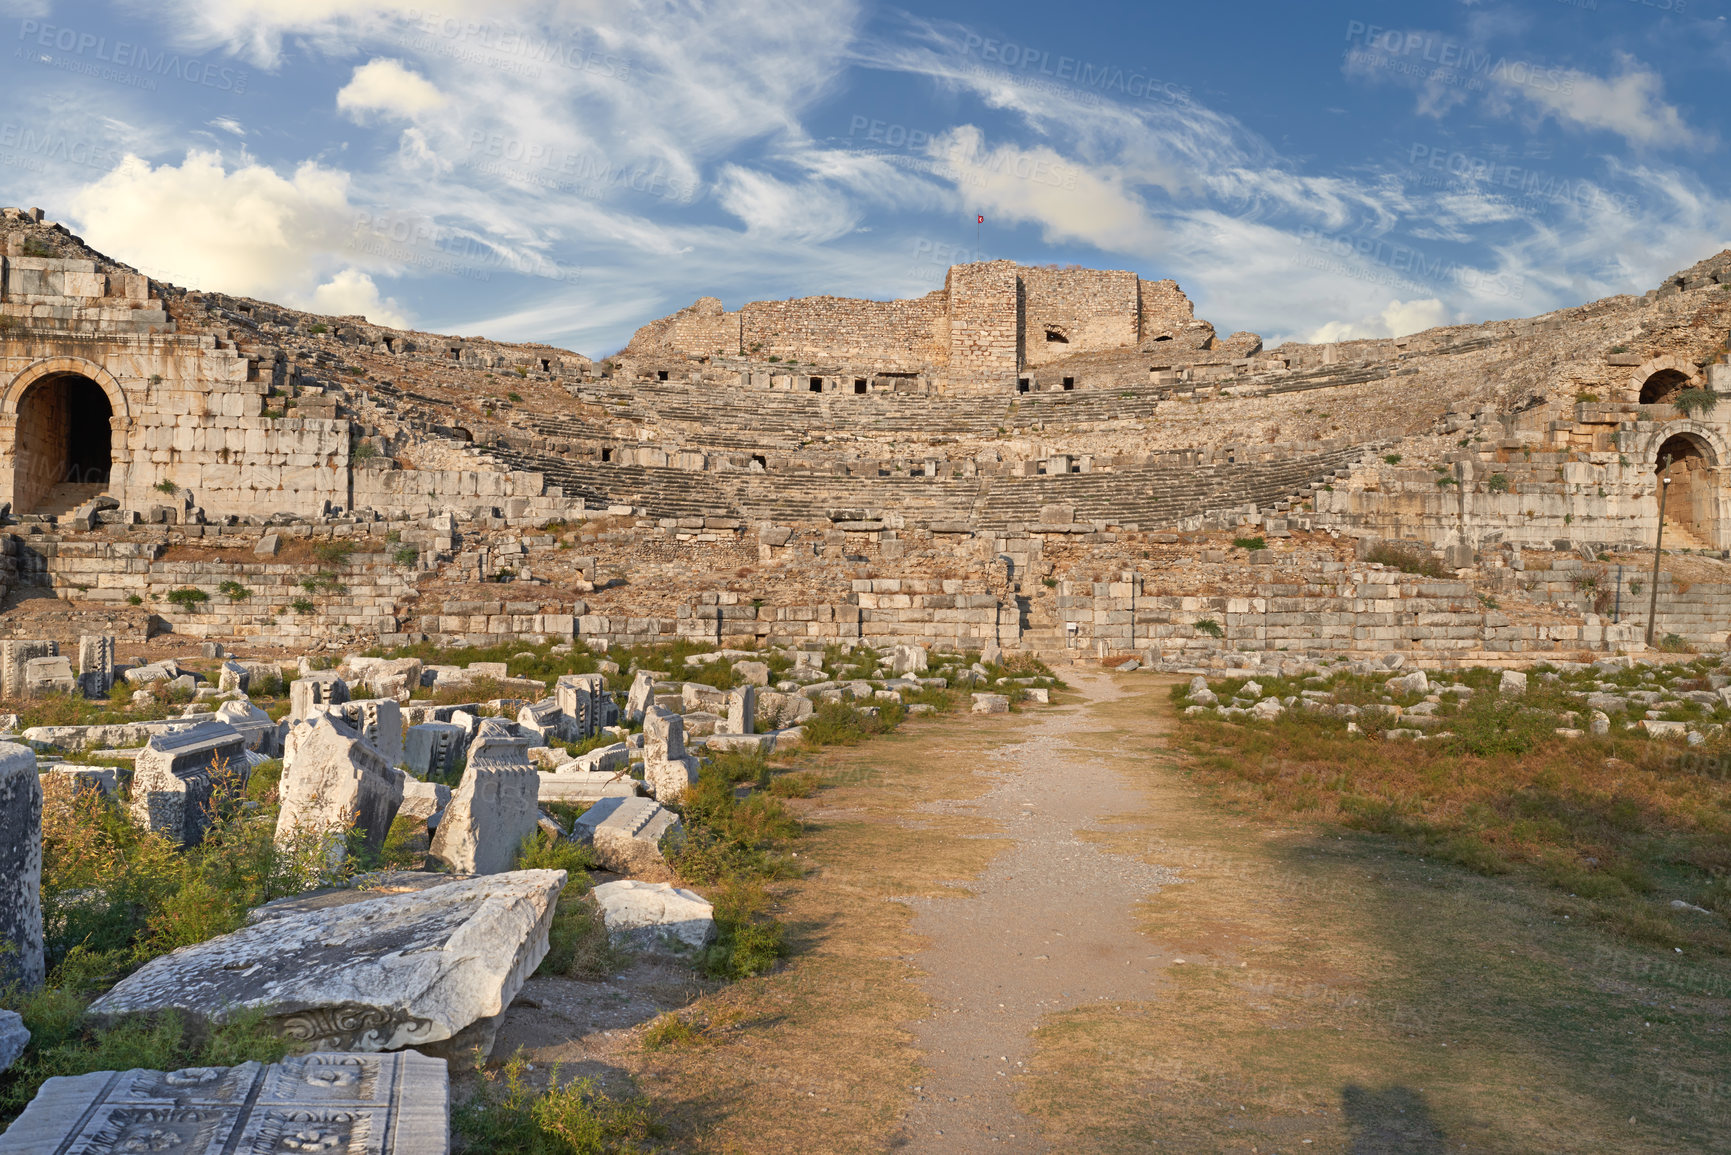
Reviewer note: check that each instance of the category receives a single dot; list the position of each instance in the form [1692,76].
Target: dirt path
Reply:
[1047,927]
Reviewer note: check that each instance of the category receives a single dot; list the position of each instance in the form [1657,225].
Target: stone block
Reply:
[180,771]
[655,915]
[754,673]
[95,665]
[433,747]
[494,807]
[742,710]
[627,834]
[326,1101]
[307,695]
[21,957]
[991,704]
[336,781]
[430,967]
[14,1037]
[585,786]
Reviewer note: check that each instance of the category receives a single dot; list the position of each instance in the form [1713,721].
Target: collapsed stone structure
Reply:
[991,465]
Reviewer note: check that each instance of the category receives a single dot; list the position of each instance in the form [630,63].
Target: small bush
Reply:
[302,606]
[406,555]
[1209,626]
[167,486]
[1407,559]
[134,600]
[669,1030]
[317,327]
[1497,483]
[1391,458]
[234,591]
[801,785]
[334,552]
[1695,402]
[1586,398]
[1249,543]
[575,1118]
[188,598]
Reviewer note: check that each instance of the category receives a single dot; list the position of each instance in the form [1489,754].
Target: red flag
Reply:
[979,220]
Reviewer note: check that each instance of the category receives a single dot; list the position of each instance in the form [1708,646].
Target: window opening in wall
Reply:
[456,354]
[1023,385]
[1069,383]
[606,455]
[859,384]
[1056,336]
[546,365]
[817,384]
[1164,337]
[760,461]
[661,374]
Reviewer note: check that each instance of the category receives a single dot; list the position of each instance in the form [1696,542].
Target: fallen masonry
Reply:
[628,835]
[655,915]
[427,968]
[327,1101]
[495,806]
[21,959]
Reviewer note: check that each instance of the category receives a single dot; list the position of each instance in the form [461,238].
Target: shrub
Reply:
[317,327]
[1249,543]
[234,591]
[747,941]
[406,555]
[1695,402]
[1209,626]
[302,606]
[134,600]
[334,552]
[574,1118]
[364,451]
[669,1030]
[1391,458]
[1586,398]
[1407,559]
[188,598]
[1497,483]
[167,486]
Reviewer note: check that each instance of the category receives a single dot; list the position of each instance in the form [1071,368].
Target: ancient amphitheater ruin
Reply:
[1056,461]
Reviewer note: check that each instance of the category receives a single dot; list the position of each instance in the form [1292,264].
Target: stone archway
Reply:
[1691,463]
[59,415]
[1661,379]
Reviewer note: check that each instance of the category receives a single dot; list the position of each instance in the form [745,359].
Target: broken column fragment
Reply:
[21,959]
[494,808]
[337,781]
[179,775]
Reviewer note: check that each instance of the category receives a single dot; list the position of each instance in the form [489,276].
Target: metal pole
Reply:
[1653,599]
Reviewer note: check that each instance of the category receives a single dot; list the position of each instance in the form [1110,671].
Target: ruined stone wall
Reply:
[706,328]
[896,336]
[985,321]
[1164,309]
[1074,310]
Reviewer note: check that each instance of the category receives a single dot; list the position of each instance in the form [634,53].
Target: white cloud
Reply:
[249,231]
[352,292]
[385,86]
[1396,320]
[1069,201]
[1630,104]
[808,212]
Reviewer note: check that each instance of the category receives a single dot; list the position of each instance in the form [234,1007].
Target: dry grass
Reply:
[1340,988]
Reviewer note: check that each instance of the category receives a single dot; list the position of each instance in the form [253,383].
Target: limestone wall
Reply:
[1165,309]
[985,322]
[1077,310]
[897,336]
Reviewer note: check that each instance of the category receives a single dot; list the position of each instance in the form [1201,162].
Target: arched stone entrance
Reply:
[1690,462]
[1659,380]
[63,445]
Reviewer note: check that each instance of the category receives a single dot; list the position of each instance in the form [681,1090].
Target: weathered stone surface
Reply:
[1413,683]
[584,704]
[379,721]
[748,743]
[424,801]
[20,867]
[337,781]
[433,747]
[95,665]
[754,673]
[1659,729]
[14,1037]
[742,710]
[1512,682]
[494,807]
[585,787]
[610,759]
[668,771]
[991,703]
[655,914]
[103,778]
[641,696]
[340,1103]
[255,726]
[627,834]
[179,772]
[908,659]
[49,676]
[401,970]
[310,693]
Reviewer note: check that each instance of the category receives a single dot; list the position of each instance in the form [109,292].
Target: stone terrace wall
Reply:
[1093,309]
[896,336]
[985,321]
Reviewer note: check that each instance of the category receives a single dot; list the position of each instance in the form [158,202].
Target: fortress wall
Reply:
[985,321]
[897,336]
[1164,309]
[1076,310]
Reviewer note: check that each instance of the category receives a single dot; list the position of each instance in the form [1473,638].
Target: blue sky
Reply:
[565,171]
